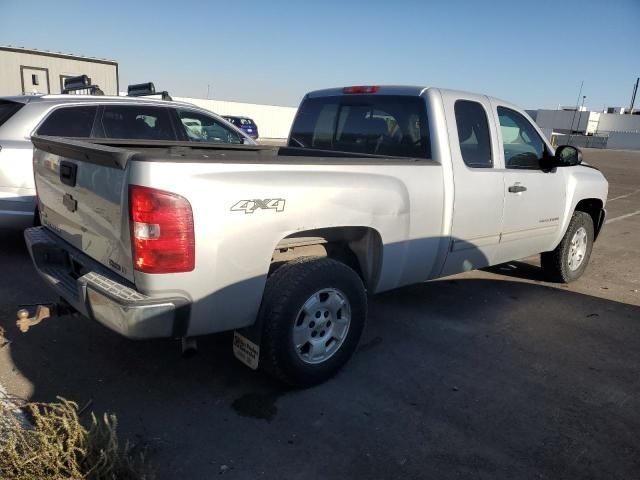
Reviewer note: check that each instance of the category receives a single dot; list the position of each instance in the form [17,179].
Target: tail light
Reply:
[361,89]
[162,233]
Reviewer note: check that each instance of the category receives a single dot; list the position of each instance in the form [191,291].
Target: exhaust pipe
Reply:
[188,346]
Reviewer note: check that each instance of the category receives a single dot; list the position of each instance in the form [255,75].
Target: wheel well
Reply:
[358,247]
[593,206]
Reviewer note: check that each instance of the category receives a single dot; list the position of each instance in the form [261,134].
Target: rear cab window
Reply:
[386,125]
[69,122]
[8,109]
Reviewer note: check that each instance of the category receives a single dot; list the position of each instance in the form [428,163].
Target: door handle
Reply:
[517,189]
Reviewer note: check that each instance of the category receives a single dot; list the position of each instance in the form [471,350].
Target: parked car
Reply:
[88,116]
[379,187]
[247,125]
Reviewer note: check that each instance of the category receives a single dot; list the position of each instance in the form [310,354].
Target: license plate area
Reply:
[58,258]
[51,255]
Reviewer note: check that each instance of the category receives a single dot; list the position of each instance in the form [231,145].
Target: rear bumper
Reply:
[99,294]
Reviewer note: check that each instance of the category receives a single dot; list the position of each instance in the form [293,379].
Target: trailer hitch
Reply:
[43,312]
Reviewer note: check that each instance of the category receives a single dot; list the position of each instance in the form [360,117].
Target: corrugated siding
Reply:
[611,122]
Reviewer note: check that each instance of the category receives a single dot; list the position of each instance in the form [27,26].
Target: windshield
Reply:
[371,124]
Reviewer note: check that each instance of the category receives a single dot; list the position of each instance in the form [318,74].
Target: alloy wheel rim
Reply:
[321,325]
[577,249]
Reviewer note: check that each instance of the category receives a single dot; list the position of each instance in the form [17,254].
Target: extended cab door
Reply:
[534,198]
[478,182]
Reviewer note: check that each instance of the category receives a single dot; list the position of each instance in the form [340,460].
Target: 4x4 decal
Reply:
[250,206]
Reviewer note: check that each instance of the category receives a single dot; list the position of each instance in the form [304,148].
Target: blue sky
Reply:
[533,53]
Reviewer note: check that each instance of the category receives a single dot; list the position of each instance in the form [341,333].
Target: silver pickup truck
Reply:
[378,187]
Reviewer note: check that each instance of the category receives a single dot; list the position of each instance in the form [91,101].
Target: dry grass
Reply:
[58,446]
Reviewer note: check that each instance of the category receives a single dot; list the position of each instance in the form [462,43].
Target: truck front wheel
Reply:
[313,312]
[568,261]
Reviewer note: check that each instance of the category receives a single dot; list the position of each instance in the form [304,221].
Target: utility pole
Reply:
[581,107]
[208,88]
[633,95]
[574,113]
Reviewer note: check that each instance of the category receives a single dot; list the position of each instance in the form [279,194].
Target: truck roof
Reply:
[402,90]
[407,90]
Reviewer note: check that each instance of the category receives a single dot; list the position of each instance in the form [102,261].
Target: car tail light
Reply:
[162,233]
[361,89]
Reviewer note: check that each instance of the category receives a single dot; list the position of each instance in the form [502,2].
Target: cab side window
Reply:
[523,147]
[198,127]
[69,122]
[136,122]
[473,134]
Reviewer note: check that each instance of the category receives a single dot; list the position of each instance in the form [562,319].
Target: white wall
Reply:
[273,121]
[590,122]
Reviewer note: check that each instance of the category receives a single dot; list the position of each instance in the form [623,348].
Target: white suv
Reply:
[89,116]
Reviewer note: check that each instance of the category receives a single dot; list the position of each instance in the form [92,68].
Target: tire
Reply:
[300,298]
[566,263]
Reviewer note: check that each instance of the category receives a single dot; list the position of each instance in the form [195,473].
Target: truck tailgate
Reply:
[83,198]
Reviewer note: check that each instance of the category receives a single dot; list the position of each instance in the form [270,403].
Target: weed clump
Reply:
[55,444]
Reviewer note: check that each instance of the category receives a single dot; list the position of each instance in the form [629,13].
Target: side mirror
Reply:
[567,156]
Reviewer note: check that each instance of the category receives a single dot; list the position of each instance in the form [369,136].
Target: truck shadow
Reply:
[518,269]
[489,378]
[12,243]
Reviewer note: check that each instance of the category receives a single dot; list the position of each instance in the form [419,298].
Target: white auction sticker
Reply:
[245,350]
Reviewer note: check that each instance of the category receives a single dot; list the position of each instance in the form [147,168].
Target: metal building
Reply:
[27,71]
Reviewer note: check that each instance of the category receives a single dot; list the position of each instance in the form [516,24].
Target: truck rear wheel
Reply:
[570,258]
[313,313]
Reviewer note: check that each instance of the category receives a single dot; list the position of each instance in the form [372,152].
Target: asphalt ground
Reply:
[491,374]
